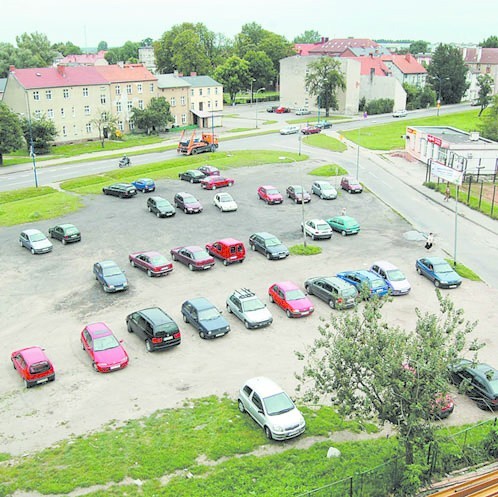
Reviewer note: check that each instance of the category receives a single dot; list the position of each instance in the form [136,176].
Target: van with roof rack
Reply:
[245,304]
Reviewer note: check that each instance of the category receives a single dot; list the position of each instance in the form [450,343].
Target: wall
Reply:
[373,88]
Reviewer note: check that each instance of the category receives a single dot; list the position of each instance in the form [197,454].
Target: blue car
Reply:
[110,276]
[362,278]
[205,317]
[439,271]
[144,185]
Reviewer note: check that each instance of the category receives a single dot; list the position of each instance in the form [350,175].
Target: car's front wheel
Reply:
[132,262]
[191,267]
[268,433]
[437,283]
[149,272]
[33,251]
[158,214]
[246,324]
[241,406]
[332,303]
[271,298]
[225,262]
[185,320]
[308,289]
[289,315]
[268,256]
[229,309]
[419,271]
[192,180]
[27,384]
[202,335]
[129,328]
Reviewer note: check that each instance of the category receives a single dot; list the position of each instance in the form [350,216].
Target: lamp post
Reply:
[358,150]
[256,97]
[31,143]
[440,79]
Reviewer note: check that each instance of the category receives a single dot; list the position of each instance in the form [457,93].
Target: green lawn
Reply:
[329,170]
[389,136]
[324,141]
[302,250]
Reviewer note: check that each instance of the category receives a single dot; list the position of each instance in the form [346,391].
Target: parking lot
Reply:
[47,299]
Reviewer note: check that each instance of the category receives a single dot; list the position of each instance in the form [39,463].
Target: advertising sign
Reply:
[446,173]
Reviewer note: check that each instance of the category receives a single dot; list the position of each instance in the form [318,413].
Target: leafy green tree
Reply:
[106,124]
[127,53]
[276,47]
[419,98]
[36,44]
[154,117]
[42,130]
[309,36]
[11,137]
[380,106]
[374,370]
[419,46]
[490,42]
[260,68]
[188,53]
[447,72]
[323,80]
[250,38]
[102,46]
[489,124]
[234,75]
[67,48]
[7,58]
[485,83]
[147,42]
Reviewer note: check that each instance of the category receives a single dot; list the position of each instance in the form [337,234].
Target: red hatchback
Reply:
[310,130]
[213,182]
[33,366]
[104,349]
[229,250]
[291,299]
[270,194]
[153,262]
[193,256]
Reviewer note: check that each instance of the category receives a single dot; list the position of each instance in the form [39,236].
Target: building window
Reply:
[129,105]
[128,89]
[132,125]
[118,90]
[209,91]
[87,110]
[50,113]
[192,106]
[141,104]
[121,125]
[64,132]
[38,113]
[151,87]
[85,92]
[88,127]
[216,104]
[216,91]
[65,93]
[62,112]
[182,100]
[173,101]
[184,118]
[200,92]
[209,104]
[192,92]
[48,94]
[73,112]
[36,95]
[139,87]
[118,106]
[75,130]
[103,99]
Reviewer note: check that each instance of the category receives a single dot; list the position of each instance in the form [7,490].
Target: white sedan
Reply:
[400,113]
[225,202]
[317,229]
[289,130]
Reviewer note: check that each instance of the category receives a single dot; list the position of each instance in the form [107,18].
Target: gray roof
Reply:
[451,135]
[171,81]
[199,81]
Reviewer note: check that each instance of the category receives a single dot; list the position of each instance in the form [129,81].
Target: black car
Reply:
[155,327]
[480,382]
[205,317]
[269,245]
[110,276]
[336,292]
[192,175]
[160,207]
[66,233]
[121,190]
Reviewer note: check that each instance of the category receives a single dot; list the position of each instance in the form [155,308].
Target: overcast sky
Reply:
[87,22]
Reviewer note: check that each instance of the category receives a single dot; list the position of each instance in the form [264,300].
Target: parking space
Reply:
[47,300]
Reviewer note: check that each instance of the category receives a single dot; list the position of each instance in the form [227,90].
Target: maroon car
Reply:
[153,262]
[213,182]
[310,130]
[209,170]
[193,256]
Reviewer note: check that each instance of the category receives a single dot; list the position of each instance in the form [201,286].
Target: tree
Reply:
[323,79]
[37,44]
[106,124]
[419,46]
[447,74]
[485,83]
[309,36]
[102,46]
[234,75]
[260,69]
[67,48]
[7,58]
[490,42]
[154,117]
[127,53]
[42,130]
[489,124]
[10,131]
[188,53]
[419,98]
[276,47]
[372,369]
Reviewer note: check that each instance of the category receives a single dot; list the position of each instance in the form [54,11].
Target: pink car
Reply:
[291,299]
[33,366]
[270,194]
[104,349]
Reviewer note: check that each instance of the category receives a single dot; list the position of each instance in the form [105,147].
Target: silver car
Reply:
[289,130]
[271,408]
[324,190]
[35,241]
[249,309]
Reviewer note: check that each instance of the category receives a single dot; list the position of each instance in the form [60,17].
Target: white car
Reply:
[317,229]
[324,190]
[395,279]
[225,202]
[35,241]
[400,113]
[271,408]
[289,130]
[302,111]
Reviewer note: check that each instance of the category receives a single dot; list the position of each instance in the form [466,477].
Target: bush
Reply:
[380,106]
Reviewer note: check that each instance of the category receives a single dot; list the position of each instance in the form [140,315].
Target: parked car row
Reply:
[37,243]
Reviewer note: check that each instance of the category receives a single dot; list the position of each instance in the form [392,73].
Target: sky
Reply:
[87,22]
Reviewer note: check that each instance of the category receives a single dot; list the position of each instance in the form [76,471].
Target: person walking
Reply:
[447,193]
[430,241]
[343,211]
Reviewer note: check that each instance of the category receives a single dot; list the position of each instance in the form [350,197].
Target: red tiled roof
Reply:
[481,55]
[304,48]
[83,59]
[52,77]
[125,73]
[339,45]
[368,63]
[407,64]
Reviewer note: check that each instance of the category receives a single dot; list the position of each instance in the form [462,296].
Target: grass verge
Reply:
[463,271]
[326,142]
[329,170]
[300,249]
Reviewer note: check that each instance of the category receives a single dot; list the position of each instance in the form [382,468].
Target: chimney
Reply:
[61,70]
[193,73]
[12,68]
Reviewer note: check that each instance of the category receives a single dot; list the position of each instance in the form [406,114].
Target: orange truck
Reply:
[192,146]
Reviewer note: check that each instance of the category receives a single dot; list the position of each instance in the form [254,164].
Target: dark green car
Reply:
[345,225]
[66,233]
[338,293]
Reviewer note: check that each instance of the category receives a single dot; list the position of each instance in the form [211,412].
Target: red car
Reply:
[209,170]
[104,349]
[310,130]
[213,182]
[192,256]
[153,262]
[270,194]
[33,366]
[291,299]
[282,110]
[228,250]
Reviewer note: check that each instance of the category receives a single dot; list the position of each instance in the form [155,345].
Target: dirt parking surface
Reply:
[47,299]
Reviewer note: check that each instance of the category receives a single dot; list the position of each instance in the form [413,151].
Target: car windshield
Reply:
[39,367]
[278,404]
[105,343]
[272,242]
[189,200]
[112,271]
[37,237]
[163,203]
[395,275]
[376,283]
[272,191]
[209,314]
[200,255]
[294,294]
[442,268]
[252,305]
[159,260]
[225,198]
[298,189]
[326,186]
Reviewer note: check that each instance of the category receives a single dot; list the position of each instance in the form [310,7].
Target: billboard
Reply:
[447,173]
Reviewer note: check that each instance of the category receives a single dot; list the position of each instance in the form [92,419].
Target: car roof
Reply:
[268,186]
[107,263]
[32,231]
[150,253]
[228,241]
[336,281]
[156,198]
[435,260]
[192,248]
[156,314]
[321,182]
[66,225]
[317,220]
[384,265]
[33,354]
[122,184]
[264,234]
[263,386]
[98,329]
[287,285]
[200,303]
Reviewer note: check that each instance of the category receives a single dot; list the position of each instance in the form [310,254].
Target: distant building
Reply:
[337,46]
[86,59]
[147,57]
[176,92]
[406,69]
[304,48]
[480,61]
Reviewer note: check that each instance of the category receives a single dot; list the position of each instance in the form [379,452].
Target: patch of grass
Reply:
[302,250]
[270,121]
[329,170]
[389,136]
[34,204]
[240,130]
[463,271]
[324,141]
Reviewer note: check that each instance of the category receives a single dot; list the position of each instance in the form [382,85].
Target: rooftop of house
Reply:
[200,81]
[83,59]
[453,135]
[304,48]
[339,45]
[407,63]
[171,81]
[124,73]
[371,65]
[480,55]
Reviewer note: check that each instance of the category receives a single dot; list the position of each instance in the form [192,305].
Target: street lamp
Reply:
[31,143]
[440,79]
[256,97]
[358,149]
